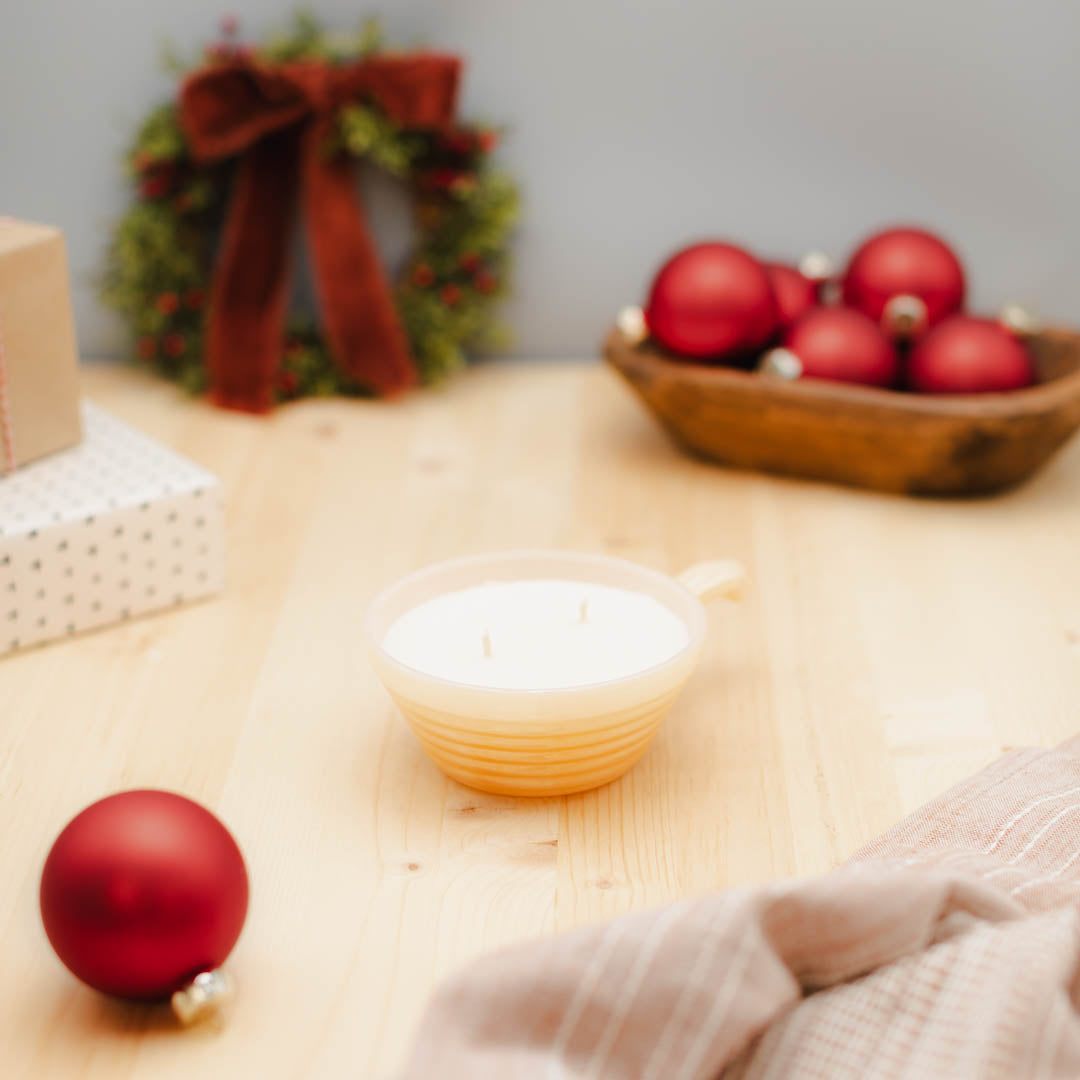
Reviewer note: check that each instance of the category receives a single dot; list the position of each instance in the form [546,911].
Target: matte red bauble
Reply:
[711,301]
[902,263]
[843,344]
[964,355]
[795,293]
[142,892]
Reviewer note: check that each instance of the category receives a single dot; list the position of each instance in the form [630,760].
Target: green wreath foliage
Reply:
[160,259]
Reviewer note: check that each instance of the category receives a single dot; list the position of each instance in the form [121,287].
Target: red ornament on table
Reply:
[142,893]
[839,344]
[966,355]
[711,302]
[907,279]
[795,293]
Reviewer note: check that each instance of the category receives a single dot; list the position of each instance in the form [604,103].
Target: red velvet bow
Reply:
[280,118]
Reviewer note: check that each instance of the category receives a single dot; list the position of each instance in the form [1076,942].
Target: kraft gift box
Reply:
[114,528]
[39,381]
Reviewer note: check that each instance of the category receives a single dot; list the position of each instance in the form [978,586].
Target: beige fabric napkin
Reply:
[948,948]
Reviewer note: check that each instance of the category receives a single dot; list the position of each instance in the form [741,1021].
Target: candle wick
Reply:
[583,611]
[487,645]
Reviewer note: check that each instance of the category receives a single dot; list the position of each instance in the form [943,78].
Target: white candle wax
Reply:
[536,634]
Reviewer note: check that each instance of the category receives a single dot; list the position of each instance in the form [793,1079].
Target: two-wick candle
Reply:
[541,634]
[540,673]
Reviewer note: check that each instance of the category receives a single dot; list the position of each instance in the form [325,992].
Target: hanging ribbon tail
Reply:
[359,316]
[250,292]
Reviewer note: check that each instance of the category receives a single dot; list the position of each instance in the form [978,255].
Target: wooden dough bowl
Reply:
[882,439]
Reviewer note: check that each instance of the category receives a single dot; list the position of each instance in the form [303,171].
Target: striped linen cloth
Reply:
[949,947]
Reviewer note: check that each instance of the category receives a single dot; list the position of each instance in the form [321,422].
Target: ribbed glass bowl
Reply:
[552,741]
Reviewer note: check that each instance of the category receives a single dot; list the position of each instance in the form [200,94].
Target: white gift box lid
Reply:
[115,527]
[114,468]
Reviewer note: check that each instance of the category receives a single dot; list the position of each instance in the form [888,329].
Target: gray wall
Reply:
[638,126]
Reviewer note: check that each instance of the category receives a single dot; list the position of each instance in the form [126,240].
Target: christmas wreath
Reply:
[200,264]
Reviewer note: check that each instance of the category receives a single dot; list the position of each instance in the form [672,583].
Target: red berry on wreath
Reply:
[439,179]
[906,278]
[422,275]
[167,303]
[147,348]
[795,293]
[485,281]
[156,183]
[288,382]
[487,140]
[450,294]
[966,355]
[840,344]
[469,261]
[711,301]
[458,142]
[142,893]
[175,345]
[463,184]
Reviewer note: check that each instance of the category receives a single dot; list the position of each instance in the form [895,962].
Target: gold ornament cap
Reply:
[817,266]
[905,316]
[1018,321]
[781,364]
[631,324]
[205,996]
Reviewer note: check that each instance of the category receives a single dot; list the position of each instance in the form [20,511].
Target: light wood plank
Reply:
[886,648]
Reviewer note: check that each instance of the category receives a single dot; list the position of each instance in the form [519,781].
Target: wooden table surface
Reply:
[885,648]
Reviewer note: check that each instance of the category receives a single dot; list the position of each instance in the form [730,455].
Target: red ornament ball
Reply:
[965,355]
[845,345]
[143,891]
[795,293]
[905,262]
[711,301]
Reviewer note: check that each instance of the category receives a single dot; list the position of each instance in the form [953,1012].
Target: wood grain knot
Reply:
[430,465]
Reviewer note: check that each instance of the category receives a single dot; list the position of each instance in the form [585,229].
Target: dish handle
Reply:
[717,577]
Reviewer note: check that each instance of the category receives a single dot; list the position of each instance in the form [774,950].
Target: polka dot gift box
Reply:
[114,528]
